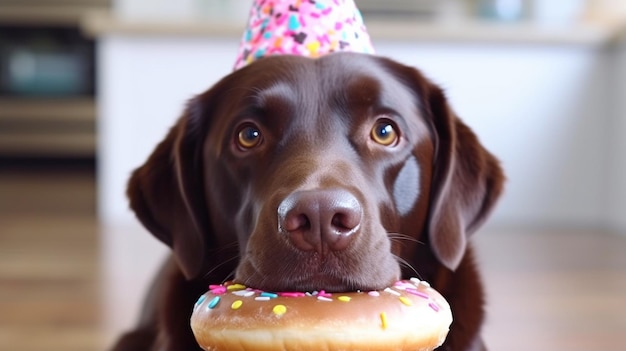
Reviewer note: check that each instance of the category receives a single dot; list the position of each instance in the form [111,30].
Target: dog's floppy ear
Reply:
[167,195]
[467,180]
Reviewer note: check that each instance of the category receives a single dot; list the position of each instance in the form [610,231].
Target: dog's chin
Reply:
[310,284]
[305,280]
[338,284]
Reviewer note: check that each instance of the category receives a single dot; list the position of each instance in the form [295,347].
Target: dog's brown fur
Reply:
[215,203]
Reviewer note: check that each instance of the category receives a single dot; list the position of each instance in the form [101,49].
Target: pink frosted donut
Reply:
[407,316]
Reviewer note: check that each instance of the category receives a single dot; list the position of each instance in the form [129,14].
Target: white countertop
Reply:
[99,24]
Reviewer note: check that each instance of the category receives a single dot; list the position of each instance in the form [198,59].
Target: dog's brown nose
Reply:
[320,220]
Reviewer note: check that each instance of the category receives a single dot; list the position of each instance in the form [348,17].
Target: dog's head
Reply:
[316,174]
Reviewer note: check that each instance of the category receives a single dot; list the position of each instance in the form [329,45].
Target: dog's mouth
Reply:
[326,283]
[317,282]
[331,274]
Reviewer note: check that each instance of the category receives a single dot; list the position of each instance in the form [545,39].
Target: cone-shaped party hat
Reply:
[309,28]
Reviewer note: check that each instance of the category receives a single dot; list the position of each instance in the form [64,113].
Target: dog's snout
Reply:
[320,220]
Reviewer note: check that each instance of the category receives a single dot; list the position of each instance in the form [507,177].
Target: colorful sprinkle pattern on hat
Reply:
[309,28]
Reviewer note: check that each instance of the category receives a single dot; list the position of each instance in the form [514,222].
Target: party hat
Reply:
[309,28]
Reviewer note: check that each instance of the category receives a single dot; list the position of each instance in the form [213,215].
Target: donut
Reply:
[410,315]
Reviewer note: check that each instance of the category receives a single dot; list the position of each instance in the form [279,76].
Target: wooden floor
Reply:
[548,290]
[48,262]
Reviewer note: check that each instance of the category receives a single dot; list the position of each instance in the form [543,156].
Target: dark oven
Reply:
[46,61]
[47,80]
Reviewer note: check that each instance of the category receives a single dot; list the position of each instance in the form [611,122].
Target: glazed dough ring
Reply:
[407,316]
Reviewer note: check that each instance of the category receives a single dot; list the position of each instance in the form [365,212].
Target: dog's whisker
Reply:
[216,267]
[228,246]
[403,237]
[221,252]
[406,264]
[230,276]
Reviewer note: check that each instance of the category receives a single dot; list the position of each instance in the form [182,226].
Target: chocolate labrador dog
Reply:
[340,173]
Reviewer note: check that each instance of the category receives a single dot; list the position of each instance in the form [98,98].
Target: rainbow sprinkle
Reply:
[406,300]
[235,287]
[383,320]
[344,298]
[279,310]
[324,294]
[200,300]
[417,293]
[393,292]
[400,285]
[214,302]
[217,289]
[236,305]
[244,293]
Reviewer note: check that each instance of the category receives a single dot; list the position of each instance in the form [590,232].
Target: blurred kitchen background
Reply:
[88,87]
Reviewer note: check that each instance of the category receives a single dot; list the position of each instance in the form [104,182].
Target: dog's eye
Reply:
[248,137]
[384,133]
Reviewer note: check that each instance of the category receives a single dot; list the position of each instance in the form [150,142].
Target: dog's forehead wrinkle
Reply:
[278,92]
[362,88]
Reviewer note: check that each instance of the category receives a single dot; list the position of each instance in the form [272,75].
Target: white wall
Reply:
[144,84]
[182,10]
[544,111]
[617,151]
